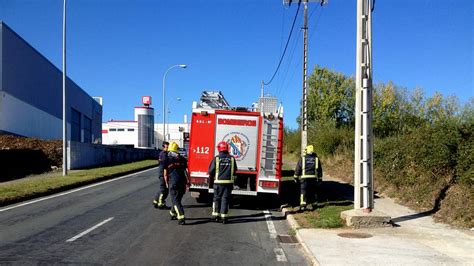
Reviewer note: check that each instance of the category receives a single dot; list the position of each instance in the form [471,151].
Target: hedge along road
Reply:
[115,222]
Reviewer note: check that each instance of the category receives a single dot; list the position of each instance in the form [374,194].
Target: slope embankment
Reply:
[26,156]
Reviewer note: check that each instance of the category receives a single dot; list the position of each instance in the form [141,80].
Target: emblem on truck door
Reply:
[239,144]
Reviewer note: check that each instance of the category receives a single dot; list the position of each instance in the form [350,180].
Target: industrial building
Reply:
[140,134]
[31,96]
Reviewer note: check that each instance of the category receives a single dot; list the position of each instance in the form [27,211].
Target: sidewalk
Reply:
[416,240]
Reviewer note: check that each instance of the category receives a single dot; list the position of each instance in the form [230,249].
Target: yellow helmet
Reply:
[173,147]
[309,149]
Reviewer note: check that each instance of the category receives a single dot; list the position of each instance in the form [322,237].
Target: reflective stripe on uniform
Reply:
[217,168]
[216,179]
[302,202]
[304,165]
[180,216]
[214,211]
[232,169]
[160,201]
[304,169]
[223,182]
[224,215]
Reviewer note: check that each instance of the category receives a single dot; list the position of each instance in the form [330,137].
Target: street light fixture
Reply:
[164,106]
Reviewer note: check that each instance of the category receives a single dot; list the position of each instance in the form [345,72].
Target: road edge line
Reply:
[270,225]
[57,194]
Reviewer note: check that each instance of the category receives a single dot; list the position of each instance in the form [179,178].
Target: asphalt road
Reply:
[115,223]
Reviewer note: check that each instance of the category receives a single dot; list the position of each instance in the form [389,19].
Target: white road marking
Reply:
[280,255]
[89,230]
[71,191]
[270,225]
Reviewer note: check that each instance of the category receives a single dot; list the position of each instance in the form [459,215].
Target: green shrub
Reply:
[465,160]
[291,141]
[329,138]
[418,165]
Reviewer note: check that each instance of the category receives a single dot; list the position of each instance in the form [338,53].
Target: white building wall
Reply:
[21,118]
[125,137]
[120,133]
[174,132]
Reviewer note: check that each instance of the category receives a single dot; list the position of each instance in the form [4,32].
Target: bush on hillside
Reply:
[327,139]
[292,141]
[457,208]
[465,160]
[417,166]
[423,145]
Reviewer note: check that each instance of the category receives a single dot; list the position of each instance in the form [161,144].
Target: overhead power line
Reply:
[286,46]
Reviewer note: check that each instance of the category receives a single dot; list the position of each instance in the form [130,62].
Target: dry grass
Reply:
[339,166]
[457,208]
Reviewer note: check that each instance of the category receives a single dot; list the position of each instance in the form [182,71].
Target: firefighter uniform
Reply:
[309,172]
[223,168]
[160,198]
[177,178]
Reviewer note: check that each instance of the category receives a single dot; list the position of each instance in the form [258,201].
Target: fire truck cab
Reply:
[255,138]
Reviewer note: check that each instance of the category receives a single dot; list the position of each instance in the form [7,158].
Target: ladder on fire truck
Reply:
[213,100]
[270,140]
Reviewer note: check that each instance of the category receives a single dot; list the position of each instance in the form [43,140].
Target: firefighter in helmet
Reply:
[223,169]
[308,172]
[160,198]
[176,178]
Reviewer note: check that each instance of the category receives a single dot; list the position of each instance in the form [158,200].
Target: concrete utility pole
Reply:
[363,214]
[363,166]
[64,94]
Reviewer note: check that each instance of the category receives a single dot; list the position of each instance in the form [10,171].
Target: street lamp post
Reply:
[64,93]
[164,106]
[168,119]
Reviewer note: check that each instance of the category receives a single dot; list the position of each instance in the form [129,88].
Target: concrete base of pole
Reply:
[359,218]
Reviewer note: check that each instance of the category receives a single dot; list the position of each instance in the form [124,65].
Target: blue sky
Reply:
[120,49]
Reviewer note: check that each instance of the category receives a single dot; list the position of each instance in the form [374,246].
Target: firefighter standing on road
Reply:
[223,168]
[309,172]
[160,198]
[177,178]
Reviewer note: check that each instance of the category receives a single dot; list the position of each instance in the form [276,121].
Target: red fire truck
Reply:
[255,137]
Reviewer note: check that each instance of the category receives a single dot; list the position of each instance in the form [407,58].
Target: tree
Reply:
[330,98]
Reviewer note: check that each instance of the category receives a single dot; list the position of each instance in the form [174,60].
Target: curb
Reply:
[70,186]
[295,226]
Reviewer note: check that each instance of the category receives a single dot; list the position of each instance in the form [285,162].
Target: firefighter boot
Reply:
[181,222]
[155,204]
[302,208]
[173,215]
[216,219]
[225,221]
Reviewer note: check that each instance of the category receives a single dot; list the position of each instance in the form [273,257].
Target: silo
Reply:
[145,116]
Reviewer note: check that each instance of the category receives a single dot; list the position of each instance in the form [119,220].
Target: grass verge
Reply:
[32,187]
[334,197]
[327,215]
